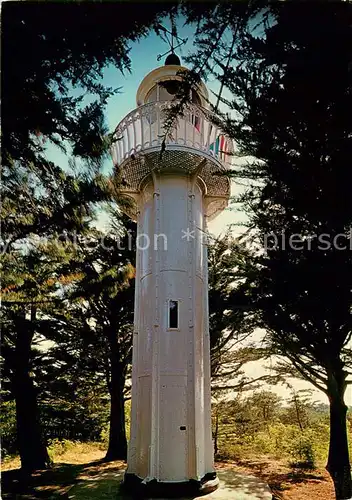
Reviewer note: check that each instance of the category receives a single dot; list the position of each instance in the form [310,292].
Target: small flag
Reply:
[220,147]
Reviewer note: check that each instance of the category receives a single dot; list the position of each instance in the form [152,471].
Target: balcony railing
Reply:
[143,129]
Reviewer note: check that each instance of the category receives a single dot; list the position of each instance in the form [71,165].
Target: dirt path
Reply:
[287,483]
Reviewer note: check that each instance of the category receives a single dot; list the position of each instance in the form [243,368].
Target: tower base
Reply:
[135,485]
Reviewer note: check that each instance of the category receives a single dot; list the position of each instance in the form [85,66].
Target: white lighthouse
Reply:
[174,191]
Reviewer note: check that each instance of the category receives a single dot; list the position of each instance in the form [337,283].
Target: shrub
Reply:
[57,447]
[104,435]
[8,428]
[303,450]
[280,441]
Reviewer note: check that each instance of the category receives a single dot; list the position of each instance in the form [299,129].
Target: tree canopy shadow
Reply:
[282,479]
[52,482]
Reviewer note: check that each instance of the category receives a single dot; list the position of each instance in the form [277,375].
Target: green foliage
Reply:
[104,435]
[59,447]
[128,418]
[281,441]
[8,428]
[261,425]
[57,64]
[288,85]
[82,420]
[230,328]
[305,451]
[226,324]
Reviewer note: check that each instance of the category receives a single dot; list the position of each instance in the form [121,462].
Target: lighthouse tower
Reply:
[174,191]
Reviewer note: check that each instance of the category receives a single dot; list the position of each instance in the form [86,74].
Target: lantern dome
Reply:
[172,59]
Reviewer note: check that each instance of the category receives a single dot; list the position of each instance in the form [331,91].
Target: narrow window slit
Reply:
[173,313]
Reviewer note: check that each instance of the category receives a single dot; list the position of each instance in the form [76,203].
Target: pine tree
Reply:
[104,293]
[45,57]
[285,77]
[290,87]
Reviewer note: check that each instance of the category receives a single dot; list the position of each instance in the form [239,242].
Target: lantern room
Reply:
[194,143]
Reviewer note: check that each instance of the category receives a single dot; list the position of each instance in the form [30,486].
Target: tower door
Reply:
[173,458]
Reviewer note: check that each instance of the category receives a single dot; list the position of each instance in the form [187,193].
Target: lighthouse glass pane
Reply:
[164,95]
[151,96]
[173,313]
[195,119]
[195,98]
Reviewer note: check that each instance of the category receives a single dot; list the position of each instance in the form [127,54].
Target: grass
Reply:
[72,462]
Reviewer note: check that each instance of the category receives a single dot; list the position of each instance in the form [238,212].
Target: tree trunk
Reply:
[338,464]
[31,446]
[216,432]
[298,415]
[117,449]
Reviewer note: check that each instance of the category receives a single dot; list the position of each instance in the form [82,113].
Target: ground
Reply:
[287,483]
[81,474]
